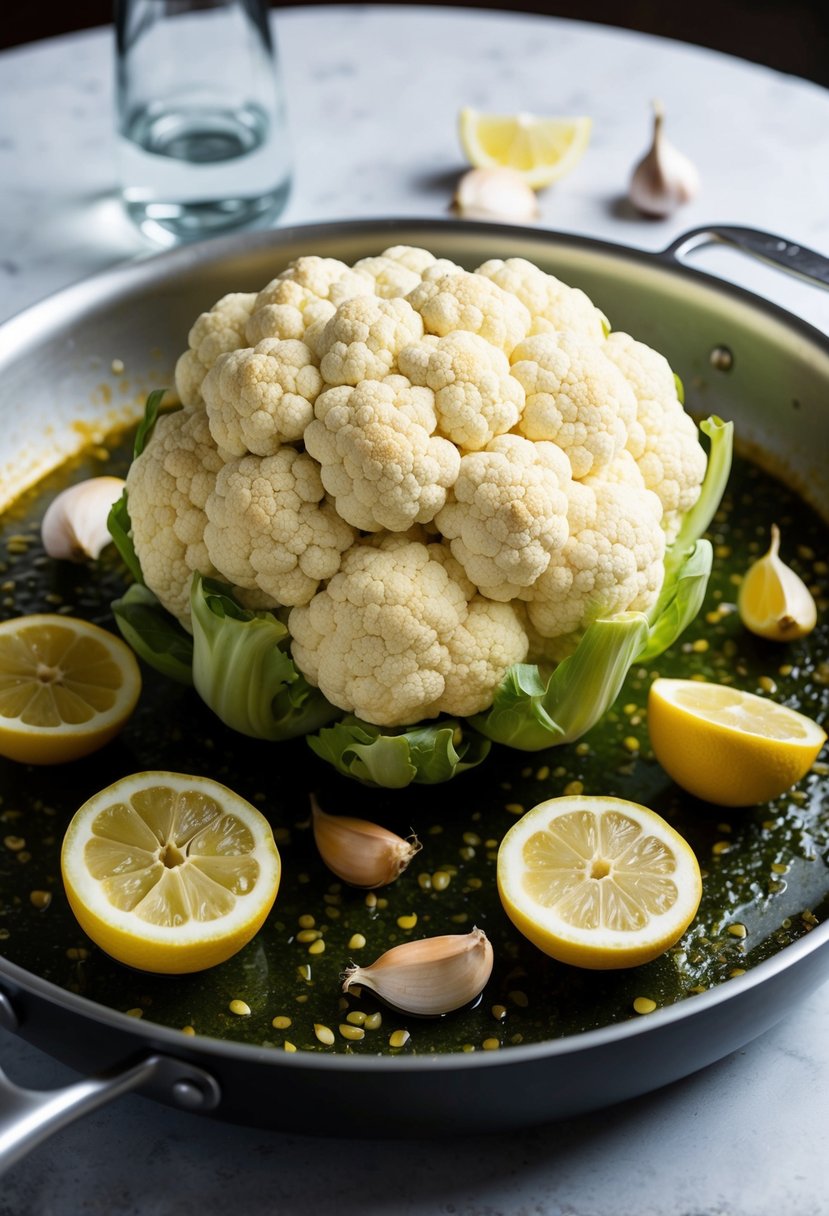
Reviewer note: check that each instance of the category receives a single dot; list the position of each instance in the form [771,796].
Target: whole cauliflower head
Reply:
[507,514]
[168,486]
[260,397]
[213,333]
[476,398]
[552,305]
[665,444]
[461,300]
[398,635]
[270,528]
[576,397]
[612,560]
[381,462]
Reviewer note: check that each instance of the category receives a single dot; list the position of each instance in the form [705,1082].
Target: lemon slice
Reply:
[541,149]
[66,688]
[598,882]
[726,746]
[169,872]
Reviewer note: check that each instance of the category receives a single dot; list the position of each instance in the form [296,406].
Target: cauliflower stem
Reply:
[243,670]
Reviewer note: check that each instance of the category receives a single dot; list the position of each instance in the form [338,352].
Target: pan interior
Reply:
[765,878]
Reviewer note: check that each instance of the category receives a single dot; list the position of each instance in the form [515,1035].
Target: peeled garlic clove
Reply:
[361,853]
[75,524]
[664,179]
[428,977]
[495,194]
[774,602]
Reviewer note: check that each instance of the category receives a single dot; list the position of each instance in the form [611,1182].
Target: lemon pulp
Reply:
[542,149]
[598,882]
[66,687]
[170,872]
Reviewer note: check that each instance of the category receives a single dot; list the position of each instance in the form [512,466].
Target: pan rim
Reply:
[565,1045]
[106,284]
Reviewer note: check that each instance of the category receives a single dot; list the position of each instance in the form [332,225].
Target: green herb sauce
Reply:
[765,872]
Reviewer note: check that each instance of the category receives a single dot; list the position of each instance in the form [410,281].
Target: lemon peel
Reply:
[726,746]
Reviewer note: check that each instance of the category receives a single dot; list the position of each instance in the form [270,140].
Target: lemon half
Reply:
[169,872]
[726,746]
[598,882]
[541,149]
[66,687]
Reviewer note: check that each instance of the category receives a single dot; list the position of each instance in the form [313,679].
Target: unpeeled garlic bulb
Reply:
[664,179]
[495,194]
[774,602]
[428,977]
[362,854]
[75,524]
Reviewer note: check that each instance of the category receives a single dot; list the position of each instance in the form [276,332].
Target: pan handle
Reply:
[787,255]
[30,1116]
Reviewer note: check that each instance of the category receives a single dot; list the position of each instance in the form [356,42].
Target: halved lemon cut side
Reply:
[727,746]
[541,149]
[598,882]
[66,687]
[170,872]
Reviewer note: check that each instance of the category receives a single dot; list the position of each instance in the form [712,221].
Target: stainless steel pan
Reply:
[739,355]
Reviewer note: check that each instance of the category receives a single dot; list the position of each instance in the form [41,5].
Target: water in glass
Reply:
[202,142]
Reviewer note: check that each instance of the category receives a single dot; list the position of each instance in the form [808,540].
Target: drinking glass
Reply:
[201,122]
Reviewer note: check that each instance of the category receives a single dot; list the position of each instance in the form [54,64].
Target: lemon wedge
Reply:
[726,746]
[66,688]
[598,882]
[169,872]
[541,149]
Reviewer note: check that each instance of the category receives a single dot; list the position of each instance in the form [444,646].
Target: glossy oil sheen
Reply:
[764,868]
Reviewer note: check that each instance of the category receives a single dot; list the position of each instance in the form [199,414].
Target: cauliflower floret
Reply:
[168,486]
[389,276]
[476,398]
[424,264]
[552,305]
[394,638]
[481,650]
[363,338]
[285,310]
[611,562]
[576,397]
[472,302]
[507,513]
[380,460]
[214,332]
[269,528]
[302,297]
[666,448]
[258,398]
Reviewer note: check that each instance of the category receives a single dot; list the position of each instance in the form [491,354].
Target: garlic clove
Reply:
[773,601]
[428,977]
[495,194]
[664,178]
[362,854]
[75,524]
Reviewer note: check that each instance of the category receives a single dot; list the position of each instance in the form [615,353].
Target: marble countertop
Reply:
[741,1138]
